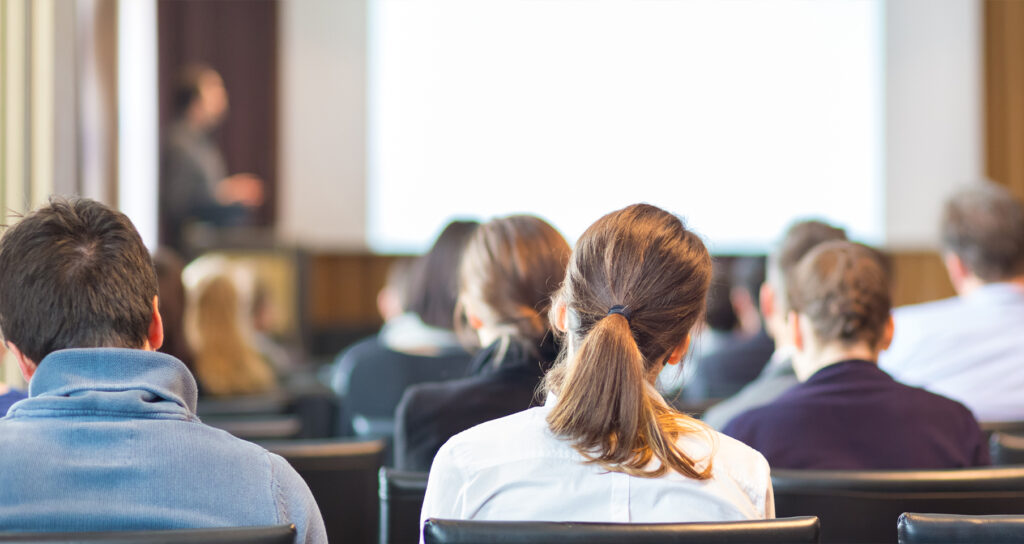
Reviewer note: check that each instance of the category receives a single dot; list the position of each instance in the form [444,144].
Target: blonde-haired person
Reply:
[605,446]
[509,270]
[219,330]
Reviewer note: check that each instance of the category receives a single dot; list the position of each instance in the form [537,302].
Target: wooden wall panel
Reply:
[1003,35]
[918,276]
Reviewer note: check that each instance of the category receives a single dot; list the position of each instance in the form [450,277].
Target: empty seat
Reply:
[277,534]
[342,475]
[952,529]
[775,531]
[863,506]
[1007,449]
[401,499]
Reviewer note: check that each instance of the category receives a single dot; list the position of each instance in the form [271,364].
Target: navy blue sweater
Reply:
[852,415]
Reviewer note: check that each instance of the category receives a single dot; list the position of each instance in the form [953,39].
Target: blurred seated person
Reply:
[717,330]
[971,347]
[509,271]
[605,446]
[169,267]
[778,375]
[219,329]
[8,394]
[847,414]
[195,185]
[417,342]
[737,361]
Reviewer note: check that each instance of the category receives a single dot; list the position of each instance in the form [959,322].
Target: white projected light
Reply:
[739,116]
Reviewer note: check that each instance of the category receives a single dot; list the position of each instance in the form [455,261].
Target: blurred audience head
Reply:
[393,298]
[800,238]
[433,287]
[75,274]
[839,306]
[200,96]
[721,316]
[983,235]
[635,289]
[509,270]
[747,275]
[169,266]
[220,331]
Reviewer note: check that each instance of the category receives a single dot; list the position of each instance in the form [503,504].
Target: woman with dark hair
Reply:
[509,270]
[417,342]
[605,446]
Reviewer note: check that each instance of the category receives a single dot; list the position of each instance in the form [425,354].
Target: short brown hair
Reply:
[645,260]
[984,226]
[843,289]
[75,274]
[800,238]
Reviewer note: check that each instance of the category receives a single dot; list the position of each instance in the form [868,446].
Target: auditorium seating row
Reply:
[342,474]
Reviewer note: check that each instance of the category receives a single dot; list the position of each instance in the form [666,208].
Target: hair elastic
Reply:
[621,310]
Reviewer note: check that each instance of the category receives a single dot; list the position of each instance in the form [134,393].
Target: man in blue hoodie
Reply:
[108,438]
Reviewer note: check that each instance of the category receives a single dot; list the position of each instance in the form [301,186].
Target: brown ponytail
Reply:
[645,260]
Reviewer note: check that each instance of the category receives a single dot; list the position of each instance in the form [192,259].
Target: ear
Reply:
[474,321]
[767,296]
[890,330]
[27,366]
[155,338]
[794,331]
[676,356]
[561,319]
[956,269]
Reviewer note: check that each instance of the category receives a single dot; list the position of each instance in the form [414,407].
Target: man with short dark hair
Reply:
[846,413]
[777,376]
[108,438]
[971,347]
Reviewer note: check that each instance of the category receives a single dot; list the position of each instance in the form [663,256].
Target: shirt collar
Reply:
[66,372]
[996,293]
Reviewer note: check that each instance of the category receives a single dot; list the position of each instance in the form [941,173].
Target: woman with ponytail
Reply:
[605,446]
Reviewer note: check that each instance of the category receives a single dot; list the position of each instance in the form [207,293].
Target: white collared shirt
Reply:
[514,468]
[969,348]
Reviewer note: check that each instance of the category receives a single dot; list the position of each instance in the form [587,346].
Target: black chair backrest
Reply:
[267,427]
[266,404]
[277,534]
[401,499]
[863,506]
[342,475]
[952,529]
[1007,449]
[802,530]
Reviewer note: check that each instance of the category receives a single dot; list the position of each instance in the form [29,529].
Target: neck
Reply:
[972,283]
[806,364]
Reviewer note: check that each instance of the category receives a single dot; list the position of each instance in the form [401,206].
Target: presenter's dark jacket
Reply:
[852,415]
[431,413]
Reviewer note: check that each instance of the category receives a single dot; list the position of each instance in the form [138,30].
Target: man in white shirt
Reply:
[971,347]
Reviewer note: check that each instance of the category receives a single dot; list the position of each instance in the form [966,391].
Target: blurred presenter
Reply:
[196,188]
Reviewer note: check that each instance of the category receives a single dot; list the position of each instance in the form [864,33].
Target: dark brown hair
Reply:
[644,259]
[843,290]
[510,269]
[75,274]
[433,286]
[984,226]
